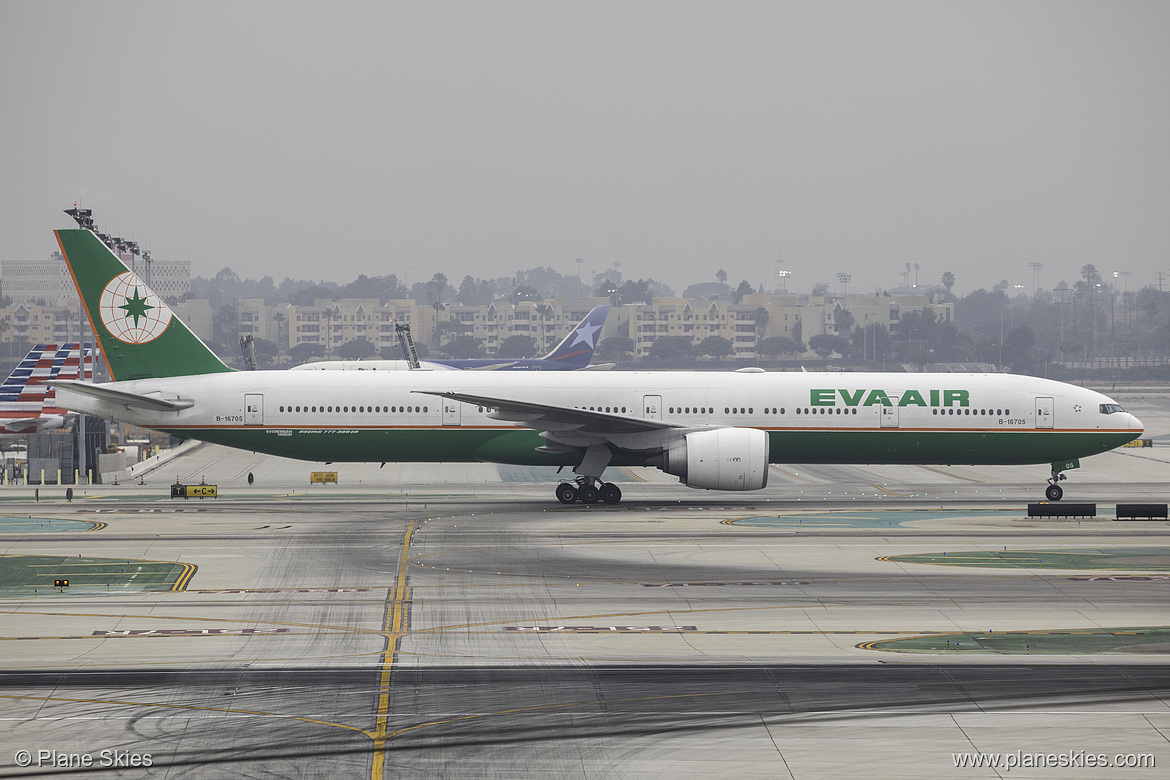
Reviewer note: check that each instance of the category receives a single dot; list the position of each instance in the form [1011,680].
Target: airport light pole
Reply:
[1125,293]
[844,279]
[1036,269]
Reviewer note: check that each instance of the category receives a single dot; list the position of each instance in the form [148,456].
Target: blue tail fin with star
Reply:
[576,349]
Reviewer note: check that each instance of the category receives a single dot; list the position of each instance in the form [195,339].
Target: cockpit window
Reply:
[1111,408]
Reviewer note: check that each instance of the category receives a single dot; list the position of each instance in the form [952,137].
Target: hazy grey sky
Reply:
[324,140]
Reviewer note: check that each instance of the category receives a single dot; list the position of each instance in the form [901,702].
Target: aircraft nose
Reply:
[1135,425]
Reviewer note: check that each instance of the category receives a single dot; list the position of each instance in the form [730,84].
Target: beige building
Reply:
[333,323]
[798,317]
[546,322]
[34,324]
[196,313]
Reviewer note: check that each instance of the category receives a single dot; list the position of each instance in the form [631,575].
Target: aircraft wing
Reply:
[502,365]
[567,428]
[153,402]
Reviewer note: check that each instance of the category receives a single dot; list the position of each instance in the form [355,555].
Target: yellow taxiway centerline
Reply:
[394,627]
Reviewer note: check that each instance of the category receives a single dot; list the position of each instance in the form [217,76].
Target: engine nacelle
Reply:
[722,459]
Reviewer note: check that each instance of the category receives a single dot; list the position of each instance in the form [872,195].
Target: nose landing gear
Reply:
[588,490]
[1054,491]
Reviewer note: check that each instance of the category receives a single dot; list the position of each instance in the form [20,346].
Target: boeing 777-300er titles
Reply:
[27,403]
[717,431]
[572,354]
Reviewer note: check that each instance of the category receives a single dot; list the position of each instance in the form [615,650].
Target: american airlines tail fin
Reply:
[576,349]
[140,336]
[27,403]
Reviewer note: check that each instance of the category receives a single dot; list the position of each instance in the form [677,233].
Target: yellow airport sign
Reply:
[194,491]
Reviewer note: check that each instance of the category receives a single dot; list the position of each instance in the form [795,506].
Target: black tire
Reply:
[1054,492]
[611,493]
[587,494]
[566,493]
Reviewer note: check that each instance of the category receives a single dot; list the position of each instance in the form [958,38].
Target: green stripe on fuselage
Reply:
[518,446]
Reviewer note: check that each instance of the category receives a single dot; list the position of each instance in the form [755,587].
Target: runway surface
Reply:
[426,620]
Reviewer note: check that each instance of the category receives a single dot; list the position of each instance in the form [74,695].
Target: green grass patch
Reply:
[1113,559]
[1086,641]
[21,574]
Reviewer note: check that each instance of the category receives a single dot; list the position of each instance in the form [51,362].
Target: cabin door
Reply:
[1043,412]
[451,412]
[253,409]
[890,413]
[652,407]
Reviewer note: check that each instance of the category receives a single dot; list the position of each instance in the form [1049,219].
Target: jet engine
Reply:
[722,459]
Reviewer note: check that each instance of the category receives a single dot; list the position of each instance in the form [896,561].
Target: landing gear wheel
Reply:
[611,493]
[587,494]
[1054,492]
[566,493]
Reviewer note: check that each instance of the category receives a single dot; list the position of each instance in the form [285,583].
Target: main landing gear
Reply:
[588,490]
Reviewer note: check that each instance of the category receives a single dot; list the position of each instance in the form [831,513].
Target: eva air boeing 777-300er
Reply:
[713,430]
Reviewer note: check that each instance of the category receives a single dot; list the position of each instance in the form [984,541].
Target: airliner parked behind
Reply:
[717,431]
[27,403]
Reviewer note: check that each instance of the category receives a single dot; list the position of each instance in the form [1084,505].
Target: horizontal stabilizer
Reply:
[154,403]
[46,422]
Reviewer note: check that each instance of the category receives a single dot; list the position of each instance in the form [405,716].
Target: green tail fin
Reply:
[141,338]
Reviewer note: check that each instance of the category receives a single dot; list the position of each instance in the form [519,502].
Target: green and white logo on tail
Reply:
[140,336]
[131,312]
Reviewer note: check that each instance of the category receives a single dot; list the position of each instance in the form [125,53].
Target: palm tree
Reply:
[948,281]
[721,276]
[329,314]
[544,310]
[762,318]
[279,319]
